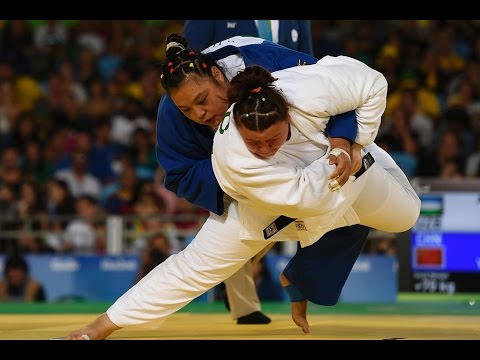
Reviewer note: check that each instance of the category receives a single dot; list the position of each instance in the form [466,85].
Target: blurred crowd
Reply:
[431,126]
[78,103]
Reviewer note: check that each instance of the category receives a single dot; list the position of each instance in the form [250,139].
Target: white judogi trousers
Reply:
[214,255]
[388,202]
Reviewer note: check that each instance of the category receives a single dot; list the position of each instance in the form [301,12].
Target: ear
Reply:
[217,74]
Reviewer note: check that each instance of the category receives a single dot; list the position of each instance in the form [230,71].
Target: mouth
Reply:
[266,155]
[214,123]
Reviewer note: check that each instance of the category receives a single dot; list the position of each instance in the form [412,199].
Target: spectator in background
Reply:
[34,165]
[123,125]
[119,197]
[58,200]
[473,161]
[10,108]
[7,215]
[294,34]
[10,170]
[157,251]
[16,44]
[77,177]
[98,160]
[400,141]
[143,155]
[448,151]
[80,233]
[28,243]
[17,285]
[27,205]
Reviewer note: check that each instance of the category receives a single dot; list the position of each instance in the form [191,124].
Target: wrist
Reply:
[338,150]
[341,143]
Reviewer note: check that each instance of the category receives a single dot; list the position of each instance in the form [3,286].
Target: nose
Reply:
[264,148]
[200,113]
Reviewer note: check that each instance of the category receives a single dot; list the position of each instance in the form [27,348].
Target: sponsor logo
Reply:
[300,225]
[118,265]
[64,265]
[362,266]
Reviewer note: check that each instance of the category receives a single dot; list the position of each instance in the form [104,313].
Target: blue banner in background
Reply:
[373,278]
[89,277]
[106,278]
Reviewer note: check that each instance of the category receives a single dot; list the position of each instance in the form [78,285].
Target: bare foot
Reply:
[299,315]
[98,329]
[298,309]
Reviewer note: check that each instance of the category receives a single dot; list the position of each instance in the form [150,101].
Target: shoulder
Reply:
[235,42]
[169,115]
[229,150]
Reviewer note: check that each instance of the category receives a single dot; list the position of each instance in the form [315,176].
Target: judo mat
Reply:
[412,317]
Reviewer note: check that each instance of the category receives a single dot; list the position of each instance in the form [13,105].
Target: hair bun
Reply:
[175,44]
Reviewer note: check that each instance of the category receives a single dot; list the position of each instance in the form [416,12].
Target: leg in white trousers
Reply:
[387,202]
[241,292]
[213,256]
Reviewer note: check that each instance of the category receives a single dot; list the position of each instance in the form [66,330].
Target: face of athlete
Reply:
[202,99]
[266,143]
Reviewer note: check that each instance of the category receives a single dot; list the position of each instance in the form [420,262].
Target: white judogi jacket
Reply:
[294,181]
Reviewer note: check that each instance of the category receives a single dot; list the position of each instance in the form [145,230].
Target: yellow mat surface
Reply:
[190,326]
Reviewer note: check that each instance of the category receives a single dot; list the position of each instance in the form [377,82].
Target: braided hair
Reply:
[180,62]
[258,105]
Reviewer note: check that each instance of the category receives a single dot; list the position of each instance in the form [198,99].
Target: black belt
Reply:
[282,221]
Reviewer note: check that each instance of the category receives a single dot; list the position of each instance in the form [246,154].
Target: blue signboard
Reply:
[446,237]
[373,278]
[92,278]
[105,278]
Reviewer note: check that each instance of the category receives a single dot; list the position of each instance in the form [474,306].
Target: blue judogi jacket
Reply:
[184,147]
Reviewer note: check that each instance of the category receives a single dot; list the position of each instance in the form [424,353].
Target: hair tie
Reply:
[175,44]
[256,90]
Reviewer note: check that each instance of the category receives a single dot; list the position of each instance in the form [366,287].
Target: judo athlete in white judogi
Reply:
[289,177]
[271,155]
[211,258]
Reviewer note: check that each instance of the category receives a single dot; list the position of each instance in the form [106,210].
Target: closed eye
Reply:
[185,111]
